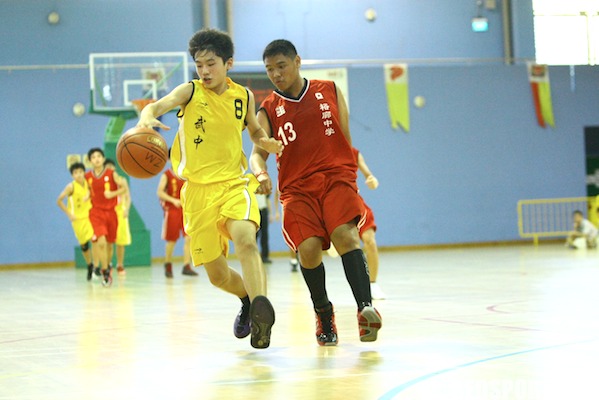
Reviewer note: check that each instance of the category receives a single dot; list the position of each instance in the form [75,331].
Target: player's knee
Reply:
[246,245]
[85,247]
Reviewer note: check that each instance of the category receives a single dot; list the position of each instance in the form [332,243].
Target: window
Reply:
[566,31]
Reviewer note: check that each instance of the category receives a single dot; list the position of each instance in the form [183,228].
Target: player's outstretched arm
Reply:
[257,132]
[178,97]
[259,156]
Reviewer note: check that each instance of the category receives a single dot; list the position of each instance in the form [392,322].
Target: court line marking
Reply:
[513,328]
[398,389]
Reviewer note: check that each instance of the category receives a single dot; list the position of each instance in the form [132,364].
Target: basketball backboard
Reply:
[118,78]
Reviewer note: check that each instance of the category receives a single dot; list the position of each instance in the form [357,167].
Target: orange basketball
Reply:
[142,152]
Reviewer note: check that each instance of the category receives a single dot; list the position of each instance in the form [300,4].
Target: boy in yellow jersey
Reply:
[123,232]
[77,209]
[218,200]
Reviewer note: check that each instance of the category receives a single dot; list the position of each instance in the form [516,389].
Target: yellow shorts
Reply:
[206,209]
[83,229]
[123,233]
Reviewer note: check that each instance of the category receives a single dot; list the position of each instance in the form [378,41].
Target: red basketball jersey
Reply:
[99,184]
[310,130]
[173,187]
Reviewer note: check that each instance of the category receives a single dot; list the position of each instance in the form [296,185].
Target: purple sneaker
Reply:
[241,327]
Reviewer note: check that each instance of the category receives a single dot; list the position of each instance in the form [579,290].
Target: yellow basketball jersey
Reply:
[208,146]
[79,202]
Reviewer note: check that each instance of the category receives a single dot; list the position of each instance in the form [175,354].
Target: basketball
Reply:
[142,152]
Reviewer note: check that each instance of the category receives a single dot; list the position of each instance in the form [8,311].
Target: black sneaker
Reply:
[326,330]
[106,277]
[97,271]
[188,271]
[262,317]
[90,271]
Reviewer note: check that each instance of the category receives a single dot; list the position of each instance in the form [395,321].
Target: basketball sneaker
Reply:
[188,271]
[262,317]
[168,270]
[369,322]
[121,270]
[326,330]
[90,271]
[97,272]
[241,327]
[106,277]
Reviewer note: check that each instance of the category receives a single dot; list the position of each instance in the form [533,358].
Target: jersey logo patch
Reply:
[318,96]
[280,110]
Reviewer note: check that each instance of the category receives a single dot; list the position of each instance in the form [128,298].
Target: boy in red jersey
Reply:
[367,229]
[105,186]
[317,184]
[169,193]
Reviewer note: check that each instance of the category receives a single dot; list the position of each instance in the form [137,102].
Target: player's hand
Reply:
[372,182]
[151,123]
[176,203]
[72,217]
[125,213]
[277,216]
[265,184]
[108,194]
[272,145]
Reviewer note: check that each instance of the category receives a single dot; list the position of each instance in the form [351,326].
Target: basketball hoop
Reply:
[139,104]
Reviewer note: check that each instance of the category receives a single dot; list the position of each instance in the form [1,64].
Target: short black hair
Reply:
[212,40]
[280,46]
[578,212]
[109,161]
[76,165]
[94,150]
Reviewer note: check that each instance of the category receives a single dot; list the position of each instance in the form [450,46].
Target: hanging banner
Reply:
[538,76]
[398,98]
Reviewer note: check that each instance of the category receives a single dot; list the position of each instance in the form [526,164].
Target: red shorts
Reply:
[105,223]
[367,220]
[323,204]
[172,225]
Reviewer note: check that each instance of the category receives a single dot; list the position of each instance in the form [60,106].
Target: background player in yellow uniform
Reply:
[218,200]
[123,232]
[77,209]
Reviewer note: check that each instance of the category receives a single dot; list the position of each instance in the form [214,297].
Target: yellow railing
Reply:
[552,217]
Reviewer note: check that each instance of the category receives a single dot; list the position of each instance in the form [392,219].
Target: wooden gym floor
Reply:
[513,322]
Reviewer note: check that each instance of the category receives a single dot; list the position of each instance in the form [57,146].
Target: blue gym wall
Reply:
[474,150]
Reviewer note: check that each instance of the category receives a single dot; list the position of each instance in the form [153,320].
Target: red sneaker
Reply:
[326,330]
[369,322]
[168,270]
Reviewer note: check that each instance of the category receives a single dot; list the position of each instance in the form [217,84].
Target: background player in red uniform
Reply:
[104,191]
[169,193]
[317,183]
[367,229]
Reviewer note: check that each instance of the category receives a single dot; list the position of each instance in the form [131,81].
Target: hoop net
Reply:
[139,104]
